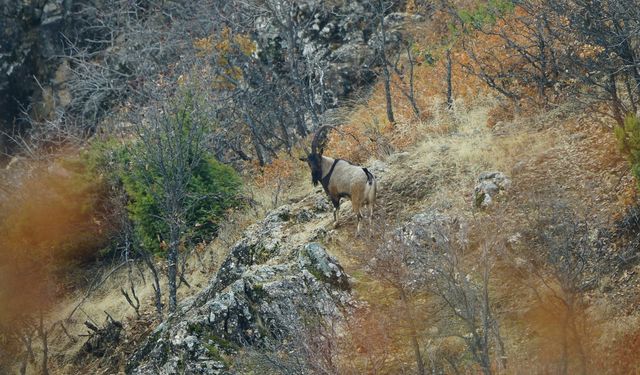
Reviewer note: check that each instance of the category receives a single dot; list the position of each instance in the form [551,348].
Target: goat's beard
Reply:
[315,164]
[316,176]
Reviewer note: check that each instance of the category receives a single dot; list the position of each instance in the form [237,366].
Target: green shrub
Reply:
[628,137]
[483,14]
[175,191]
[213,189]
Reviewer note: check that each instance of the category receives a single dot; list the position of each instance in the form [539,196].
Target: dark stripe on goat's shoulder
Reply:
[325,179]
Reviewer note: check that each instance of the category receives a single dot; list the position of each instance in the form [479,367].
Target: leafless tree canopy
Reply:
[586,49]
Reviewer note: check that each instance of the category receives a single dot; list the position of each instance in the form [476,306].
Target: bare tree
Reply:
[409,91]
[583,48]
[463,293]
[469,302]
[273,83]
[394,262]
[381,8]
[525,54]
[170,146]
[449,81]
[606,56]
[105,71]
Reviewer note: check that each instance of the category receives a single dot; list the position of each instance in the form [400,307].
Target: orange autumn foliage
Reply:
[224,45]
[623,353]
[280,171]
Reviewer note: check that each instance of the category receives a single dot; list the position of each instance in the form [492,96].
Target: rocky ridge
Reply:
[274,275]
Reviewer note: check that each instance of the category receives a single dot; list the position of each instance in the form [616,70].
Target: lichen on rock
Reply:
[270,282]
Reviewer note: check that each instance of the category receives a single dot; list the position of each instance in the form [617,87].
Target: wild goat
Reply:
[340,178]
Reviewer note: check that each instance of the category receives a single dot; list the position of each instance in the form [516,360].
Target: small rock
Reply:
[316,259]
[490,184]
[321,203]
[425,229]
[278,215]
[378,167]
[518,167]
[304,216]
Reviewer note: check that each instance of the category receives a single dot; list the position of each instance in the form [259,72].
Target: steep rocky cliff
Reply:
[339,42]
[31,43]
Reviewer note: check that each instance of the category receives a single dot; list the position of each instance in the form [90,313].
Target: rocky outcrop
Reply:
[489,186]
[340,41]
[31,40]
[426,229]
[335,47]
[272,278]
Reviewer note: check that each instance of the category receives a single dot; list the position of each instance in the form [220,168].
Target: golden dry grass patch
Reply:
[536,152]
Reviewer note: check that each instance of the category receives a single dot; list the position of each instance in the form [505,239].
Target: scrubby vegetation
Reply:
[628,136]
[541,280]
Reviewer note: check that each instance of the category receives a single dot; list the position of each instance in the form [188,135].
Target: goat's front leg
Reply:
[336,208]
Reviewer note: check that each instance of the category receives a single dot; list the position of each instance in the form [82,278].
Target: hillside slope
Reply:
[287,275]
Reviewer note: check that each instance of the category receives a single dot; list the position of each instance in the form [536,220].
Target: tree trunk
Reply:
[618,109]
[387,93]
[27,339]
[385,66]
[412,96]
[304,94]
[631,95]
[23,365]
[172,266]
[543,80]
[449,84]
[156,283]
[255,139]
[45,345]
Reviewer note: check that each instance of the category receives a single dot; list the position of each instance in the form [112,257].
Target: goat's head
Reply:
[314,157]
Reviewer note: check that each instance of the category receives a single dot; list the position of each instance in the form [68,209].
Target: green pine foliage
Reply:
[485,13]
[213,190]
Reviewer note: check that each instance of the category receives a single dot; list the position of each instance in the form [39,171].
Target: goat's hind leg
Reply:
[370,214]
[357,210]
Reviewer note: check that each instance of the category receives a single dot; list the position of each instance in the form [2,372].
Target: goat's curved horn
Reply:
[319,138]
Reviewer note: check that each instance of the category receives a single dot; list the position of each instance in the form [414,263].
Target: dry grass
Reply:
[563,150]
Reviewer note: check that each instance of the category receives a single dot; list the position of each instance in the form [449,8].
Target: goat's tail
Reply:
[370,178]
[370,190]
